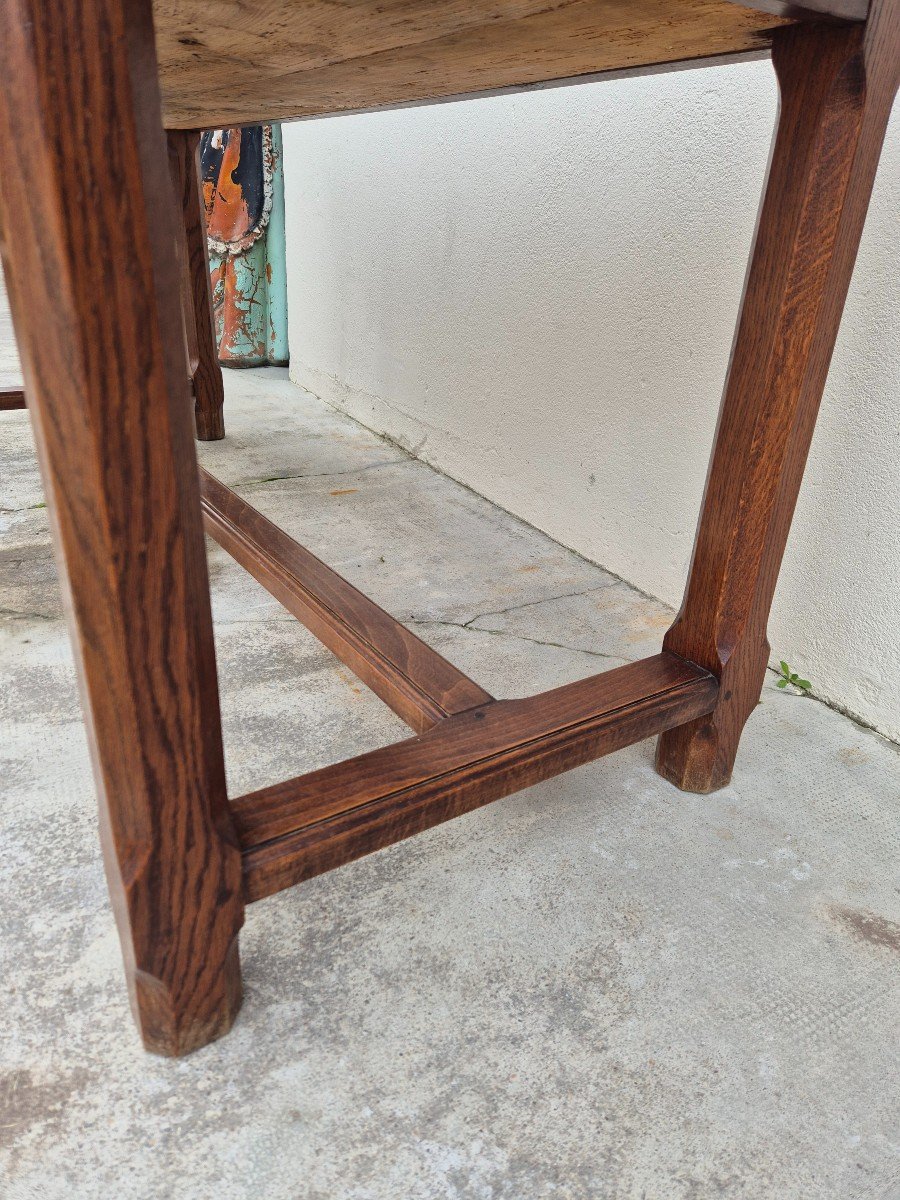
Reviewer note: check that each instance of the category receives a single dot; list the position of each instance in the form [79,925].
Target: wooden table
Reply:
[101,331]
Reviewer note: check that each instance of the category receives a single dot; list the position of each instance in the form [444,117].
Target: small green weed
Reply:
[792,679]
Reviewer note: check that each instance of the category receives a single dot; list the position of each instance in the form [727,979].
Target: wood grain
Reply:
[232,62]
[312,824]
[97,320]
[837,88]
[411,678]
[105,366]
[11,399]
[196,289]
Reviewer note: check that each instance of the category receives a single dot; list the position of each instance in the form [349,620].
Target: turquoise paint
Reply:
[240,296]
[276,257]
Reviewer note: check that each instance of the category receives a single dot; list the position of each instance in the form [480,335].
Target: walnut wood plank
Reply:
[232,62]
[411,678]
[11,399]
[837,88]
[305,826]
[97,320]
[196,289]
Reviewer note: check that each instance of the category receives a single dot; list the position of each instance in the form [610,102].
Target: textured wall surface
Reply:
[10,371]
[537,294]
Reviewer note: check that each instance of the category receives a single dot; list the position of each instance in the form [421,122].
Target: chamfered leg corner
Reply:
[108,395]
[837,87]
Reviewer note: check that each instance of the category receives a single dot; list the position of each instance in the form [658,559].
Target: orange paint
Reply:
[227,216]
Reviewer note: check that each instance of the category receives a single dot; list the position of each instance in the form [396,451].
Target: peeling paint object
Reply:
[243,191]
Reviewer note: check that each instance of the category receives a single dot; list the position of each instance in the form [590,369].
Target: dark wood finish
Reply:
[301,828]
[106,374]
[196,289]
[837,87]
[239,62]
[11,399]
[96,313]
[411,678]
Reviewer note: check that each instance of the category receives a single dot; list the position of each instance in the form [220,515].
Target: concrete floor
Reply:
[600,987]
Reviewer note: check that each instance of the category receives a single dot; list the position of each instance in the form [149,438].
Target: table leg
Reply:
[94,287]
[837,86]
[206,374]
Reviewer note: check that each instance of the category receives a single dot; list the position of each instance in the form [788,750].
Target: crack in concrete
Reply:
[504,612]
[522,637]
[13,614]
[316,474]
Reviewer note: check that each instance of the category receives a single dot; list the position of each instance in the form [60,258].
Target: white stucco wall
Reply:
[537,294]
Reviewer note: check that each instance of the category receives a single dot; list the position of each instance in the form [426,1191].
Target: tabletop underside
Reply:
[233,62]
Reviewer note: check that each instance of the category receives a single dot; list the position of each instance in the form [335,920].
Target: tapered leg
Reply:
[837,85]
[93,280]
[206,374]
